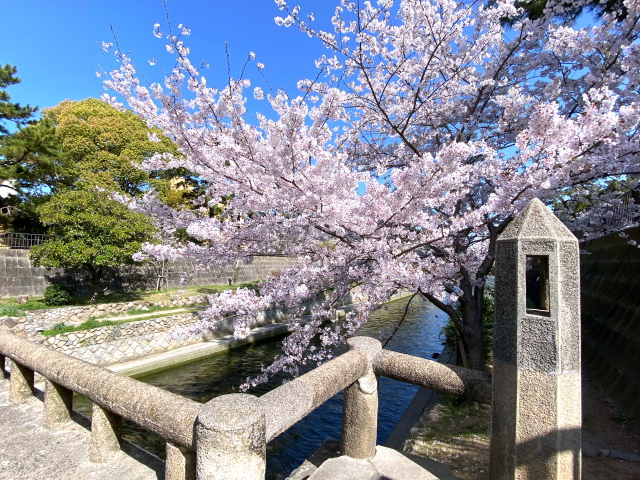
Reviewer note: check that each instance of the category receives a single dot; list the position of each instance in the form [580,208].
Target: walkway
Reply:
[28,452]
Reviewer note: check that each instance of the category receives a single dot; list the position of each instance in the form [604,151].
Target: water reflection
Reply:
[221,374]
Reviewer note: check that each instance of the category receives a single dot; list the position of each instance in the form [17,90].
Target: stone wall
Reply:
[129,341]
[19,277]
[611,316]
[38,320]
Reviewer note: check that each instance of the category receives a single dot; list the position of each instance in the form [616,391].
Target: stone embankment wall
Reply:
[611,316]
[38,320]
[128,341]
[19,277]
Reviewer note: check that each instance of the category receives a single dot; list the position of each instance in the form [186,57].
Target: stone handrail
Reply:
[458,381]
[289,403]
[193,430]
[144,404]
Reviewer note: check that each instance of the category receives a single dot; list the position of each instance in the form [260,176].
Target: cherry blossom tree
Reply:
[429,126]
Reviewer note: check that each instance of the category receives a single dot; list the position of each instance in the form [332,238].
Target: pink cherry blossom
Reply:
[446,120]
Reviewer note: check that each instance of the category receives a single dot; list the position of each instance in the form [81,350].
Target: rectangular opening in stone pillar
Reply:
[537,277]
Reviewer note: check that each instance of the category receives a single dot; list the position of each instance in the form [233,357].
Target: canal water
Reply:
[418,335]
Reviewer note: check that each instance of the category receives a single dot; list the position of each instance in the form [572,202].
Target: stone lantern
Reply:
[536,401]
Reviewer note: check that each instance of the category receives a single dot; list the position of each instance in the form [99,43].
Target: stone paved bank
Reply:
[127,341]
[38,320]
[113,344]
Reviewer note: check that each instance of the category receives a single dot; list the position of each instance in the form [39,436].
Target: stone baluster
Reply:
[57,404]
[180,463]
[106,430]
[231,439]
[536,407]
[21,386]
[360,405]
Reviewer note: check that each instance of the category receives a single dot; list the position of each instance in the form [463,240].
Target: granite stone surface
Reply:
[536,409]
[30,452]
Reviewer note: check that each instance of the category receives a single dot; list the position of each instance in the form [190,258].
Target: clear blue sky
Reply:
[54,43]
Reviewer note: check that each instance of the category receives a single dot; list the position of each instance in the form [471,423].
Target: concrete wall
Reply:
[611,316]
[19,277]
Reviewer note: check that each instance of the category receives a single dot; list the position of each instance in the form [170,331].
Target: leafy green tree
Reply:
[84,144]
[91,231]
[9,111]
[107,145]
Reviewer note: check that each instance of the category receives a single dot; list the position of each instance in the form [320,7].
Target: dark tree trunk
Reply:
[471,334]
[468,320]
[96,274]
[469,327]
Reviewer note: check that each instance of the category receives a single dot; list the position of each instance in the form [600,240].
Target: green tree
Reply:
[9,111]
[33,166]
[107,146]
[33,159]
[91,231]
[84,144]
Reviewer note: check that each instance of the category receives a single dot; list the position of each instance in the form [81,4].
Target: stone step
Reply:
[387,464]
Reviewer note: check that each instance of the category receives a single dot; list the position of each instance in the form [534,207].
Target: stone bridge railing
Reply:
[535,391]
[227,436]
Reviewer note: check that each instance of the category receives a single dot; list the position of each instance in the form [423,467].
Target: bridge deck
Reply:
[29,452]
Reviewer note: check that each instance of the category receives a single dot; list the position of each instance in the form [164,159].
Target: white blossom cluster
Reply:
[448,121]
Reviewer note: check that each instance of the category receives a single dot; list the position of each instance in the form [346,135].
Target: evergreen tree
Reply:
[11,112]
[32,167]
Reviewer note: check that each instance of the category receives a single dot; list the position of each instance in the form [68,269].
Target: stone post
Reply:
[536,408]
[21,386]
[360,405]
[106,430]
[231,439]
[180,463]
[3,366]
[57,404]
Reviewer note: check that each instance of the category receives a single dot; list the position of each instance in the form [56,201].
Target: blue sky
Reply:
[54,43]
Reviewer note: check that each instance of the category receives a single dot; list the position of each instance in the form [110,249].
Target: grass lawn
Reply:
[10,306]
